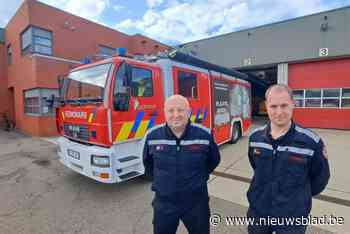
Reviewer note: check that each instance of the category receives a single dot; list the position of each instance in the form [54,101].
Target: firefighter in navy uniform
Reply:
[180,156]
[290,166]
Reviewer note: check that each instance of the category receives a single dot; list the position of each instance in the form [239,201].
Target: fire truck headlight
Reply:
[100,161]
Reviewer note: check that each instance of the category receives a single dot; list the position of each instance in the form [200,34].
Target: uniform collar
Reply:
[170,134]
[267,133]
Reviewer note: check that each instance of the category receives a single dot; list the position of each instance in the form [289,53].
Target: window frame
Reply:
[26,106]
[302,98]
[313,98]
[41,102]
[151,79]
[340,98]
[30,48]
[100,46]
[195,74]
[331,98]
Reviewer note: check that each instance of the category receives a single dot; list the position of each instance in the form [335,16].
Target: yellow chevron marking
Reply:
[142,129]
[90,117]
[193,117]
[124,131]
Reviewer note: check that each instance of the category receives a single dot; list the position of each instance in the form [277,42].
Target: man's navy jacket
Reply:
[287,171]
[180,166]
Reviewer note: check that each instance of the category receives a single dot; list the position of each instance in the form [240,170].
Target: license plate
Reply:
[73,154]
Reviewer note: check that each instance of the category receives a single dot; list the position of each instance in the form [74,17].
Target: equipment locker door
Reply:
[195,86]
[137,101]
[221,111]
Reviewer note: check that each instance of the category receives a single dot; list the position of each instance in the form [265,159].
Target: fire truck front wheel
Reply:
[236,133]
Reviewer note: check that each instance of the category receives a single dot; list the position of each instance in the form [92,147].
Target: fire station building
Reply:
[311,54]
[40,43]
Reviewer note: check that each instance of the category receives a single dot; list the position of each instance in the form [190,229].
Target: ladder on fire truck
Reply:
[178,56]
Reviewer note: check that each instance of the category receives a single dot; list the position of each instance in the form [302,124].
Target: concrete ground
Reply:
[39,195]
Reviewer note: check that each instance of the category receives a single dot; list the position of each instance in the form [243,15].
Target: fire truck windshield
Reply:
[86,85]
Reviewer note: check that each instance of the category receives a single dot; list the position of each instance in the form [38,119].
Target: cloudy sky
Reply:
[179,21]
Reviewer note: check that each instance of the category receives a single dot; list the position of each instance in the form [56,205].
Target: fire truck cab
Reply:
[107,107]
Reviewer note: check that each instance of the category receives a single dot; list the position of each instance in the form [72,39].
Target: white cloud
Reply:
[89,9]
[195,19]
[118,7]
[126,24]
[185,21]
[153,3]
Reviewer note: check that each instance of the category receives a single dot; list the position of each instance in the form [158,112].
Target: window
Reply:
[9,54]
[106,51]
[36,101]
[313,98]
[121,97]
[87,83]
[26,39]
[345,98]
[120,83]
[323,98]
[36,40]
[298,96]
[187,83]
[32,102]
[141,82]
[331,98]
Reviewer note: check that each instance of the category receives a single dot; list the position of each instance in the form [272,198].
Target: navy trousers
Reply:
[195,217]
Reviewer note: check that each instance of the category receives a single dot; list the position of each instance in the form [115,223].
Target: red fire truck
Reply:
[107,106]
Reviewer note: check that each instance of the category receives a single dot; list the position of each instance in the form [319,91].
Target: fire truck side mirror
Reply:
[60,81]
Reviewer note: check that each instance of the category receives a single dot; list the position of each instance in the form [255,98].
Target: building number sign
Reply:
[323,52]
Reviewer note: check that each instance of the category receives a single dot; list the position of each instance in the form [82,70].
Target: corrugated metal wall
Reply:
[286,41]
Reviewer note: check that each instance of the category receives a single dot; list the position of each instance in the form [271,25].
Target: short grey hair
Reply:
[279,88]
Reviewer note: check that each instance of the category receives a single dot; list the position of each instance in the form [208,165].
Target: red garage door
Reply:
[322,93]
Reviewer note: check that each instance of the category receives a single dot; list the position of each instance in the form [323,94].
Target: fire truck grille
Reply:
[76,131]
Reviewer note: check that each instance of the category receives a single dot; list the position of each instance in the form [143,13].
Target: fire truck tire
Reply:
[236,133]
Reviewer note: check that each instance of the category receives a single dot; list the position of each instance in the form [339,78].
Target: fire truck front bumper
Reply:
[89,160]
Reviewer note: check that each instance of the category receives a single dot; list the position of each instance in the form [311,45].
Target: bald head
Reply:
[178,99]
[177,113]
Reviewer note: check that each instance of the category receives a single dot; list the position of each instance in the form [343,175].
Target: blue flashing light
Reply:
[121,51]
[86,60]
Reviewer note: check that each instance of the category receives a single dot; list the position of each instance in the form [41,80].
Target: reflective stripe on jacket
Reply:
[180,167]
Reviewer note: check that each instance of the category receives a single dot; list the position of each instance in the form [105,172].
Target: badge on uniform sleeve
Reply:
[159,147]
[324,151]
